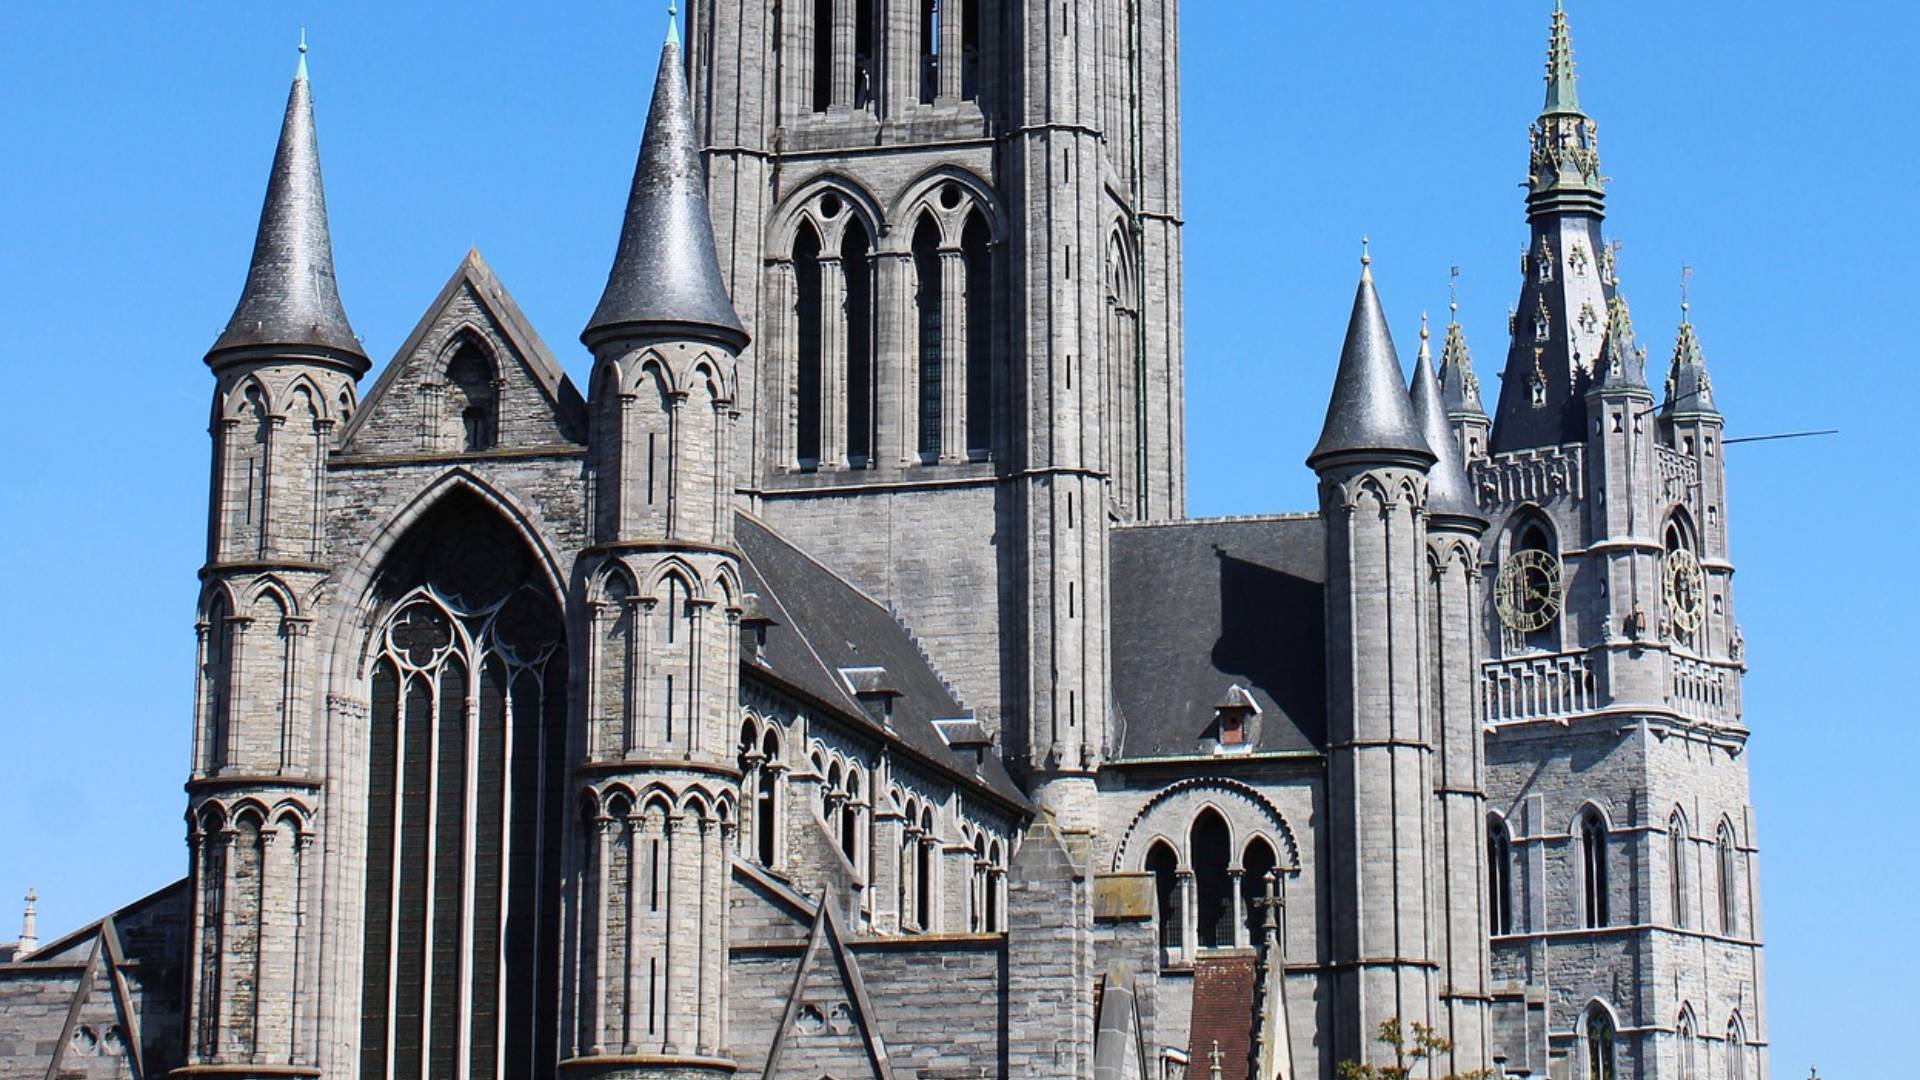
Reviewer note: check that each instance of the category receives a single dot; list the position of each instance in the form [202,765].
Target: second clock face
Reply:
[1686,590]
[1528,593]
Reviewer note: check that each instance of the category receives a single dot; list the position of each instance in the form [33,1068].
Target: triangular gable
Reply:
[828,1028]
[539,406]
[98,1033]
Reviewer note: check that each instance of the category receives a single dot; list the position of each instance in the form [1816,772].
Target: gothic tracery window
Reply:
[1600,1038]
[463,806]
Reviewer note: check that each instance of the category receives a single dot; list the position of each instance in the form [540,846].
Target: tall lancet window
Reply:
[927,304]
[976,244]
[1725,859]
[822,55]
[1499,877]
[1164,865]
[464,802]
[1600,1037]
[929,50]
[1211,847]
[806,311]
[858,266]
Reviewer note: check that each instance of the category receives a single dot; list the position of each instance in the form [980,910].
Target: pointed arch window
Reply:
[923,875]
[807,342]
[1600,1037]
[1257,862]
[767,806]
[977,256]
[1211,845]
[927,303]
[1164,865]
[857,264]
[1725,859]
[1499,877]
[1686,1047]
[473,392]
[1593,864]
[1736,1050]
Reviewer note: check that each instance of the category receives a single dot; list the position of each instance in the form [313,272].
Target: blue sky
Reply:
[1769,145]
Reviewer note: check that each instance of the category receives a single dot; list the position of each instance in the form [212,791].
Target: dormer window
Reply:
[1235,720]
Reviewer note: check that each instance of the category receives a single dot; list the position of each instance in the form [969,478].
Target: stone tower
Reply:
[656,778]
[954,229]
[284,371]
[1615,743]
[1373,462]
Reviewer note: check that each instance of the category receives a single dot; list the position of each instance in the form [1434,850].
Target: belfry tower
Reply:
[656,778]
[953,227]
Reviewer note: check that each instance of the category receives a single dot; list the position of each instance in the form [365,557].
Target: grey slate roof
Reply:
[665,274]
[290,298]
[1447,489]
[1369,412]
[823,624]
[1199,606]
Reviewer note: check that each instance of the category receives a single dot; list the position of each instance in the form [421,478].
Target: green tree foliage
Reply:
[1411,1050]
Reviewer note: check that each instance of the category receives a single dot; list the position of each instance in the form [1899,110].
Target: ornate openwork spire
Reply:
[1369,414]
[666,275]
[1459,387]
[1624,360]
[1563,171]
[290,299]
[1689,388]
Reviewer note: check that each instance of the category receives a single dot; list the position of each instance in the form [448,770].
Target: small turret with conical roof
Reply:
[666,275]
[291,302]
[1373,463]
[665,340]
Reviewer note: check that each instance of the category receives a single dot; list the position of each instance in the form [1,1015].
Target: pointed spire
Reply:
[666,275]
[1623,361]
[1447,489]
[1459,387]
[1689,388]
[290,299]
[1369,413]
[1562,93]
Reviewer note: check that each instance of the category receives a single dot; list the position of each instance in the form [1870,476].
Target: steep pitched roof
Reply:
[1199,606]
[826,627]
[665,274]
[290,298]
[1368,413]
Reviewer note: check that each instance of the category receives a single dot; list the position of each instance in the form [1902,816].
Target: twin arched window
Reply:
[847,72]
[1499,877]
[1219,903]
[1602,1055]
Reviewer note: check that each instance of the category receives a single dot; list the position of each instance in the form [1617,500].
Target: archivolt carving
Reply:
[1184,799]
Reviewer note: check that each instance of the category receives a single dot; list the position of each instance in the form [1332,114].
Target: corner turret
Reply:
[1369,418]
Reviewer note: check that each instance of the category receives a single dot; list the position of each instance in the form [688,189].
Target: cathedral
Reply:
[835,687]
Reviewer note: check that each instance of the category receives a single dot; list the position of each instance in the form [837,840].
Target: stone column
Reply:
[953,347]
[841,92]
[896,408]
[833,362]
[780,419]
[1189,925]
[1239,910]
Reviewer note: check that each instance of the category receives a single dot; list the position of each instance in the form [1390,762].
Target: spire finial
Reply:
[1453,295]
[300,71]
[1562,96]
[1686,279]
[29,928]
[1423,330]
[1366,261]
[673,21]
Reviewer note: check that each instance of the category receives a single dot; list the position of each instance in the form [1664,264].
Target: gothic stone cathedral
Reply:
[838,689]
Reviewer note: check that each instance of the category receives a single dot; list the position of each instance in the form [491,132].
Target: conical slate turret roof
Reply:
[290,299]
[1369,412]
[1448,491]
[666,275]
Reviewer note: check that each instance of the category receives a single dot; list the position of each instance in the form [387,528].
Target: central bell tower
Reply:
[952,228]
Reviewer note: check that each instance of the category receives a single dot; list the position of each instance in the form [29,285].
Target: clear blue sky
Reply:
[1770,145]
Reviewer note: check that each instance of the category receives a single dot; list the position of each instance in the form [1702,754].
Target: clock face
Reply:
[1686,590]
[1527,594]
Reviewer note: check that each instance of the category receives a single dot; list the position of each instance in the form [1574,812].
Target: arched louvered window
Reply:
[1499,877]
[464,804]
[1593,865]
